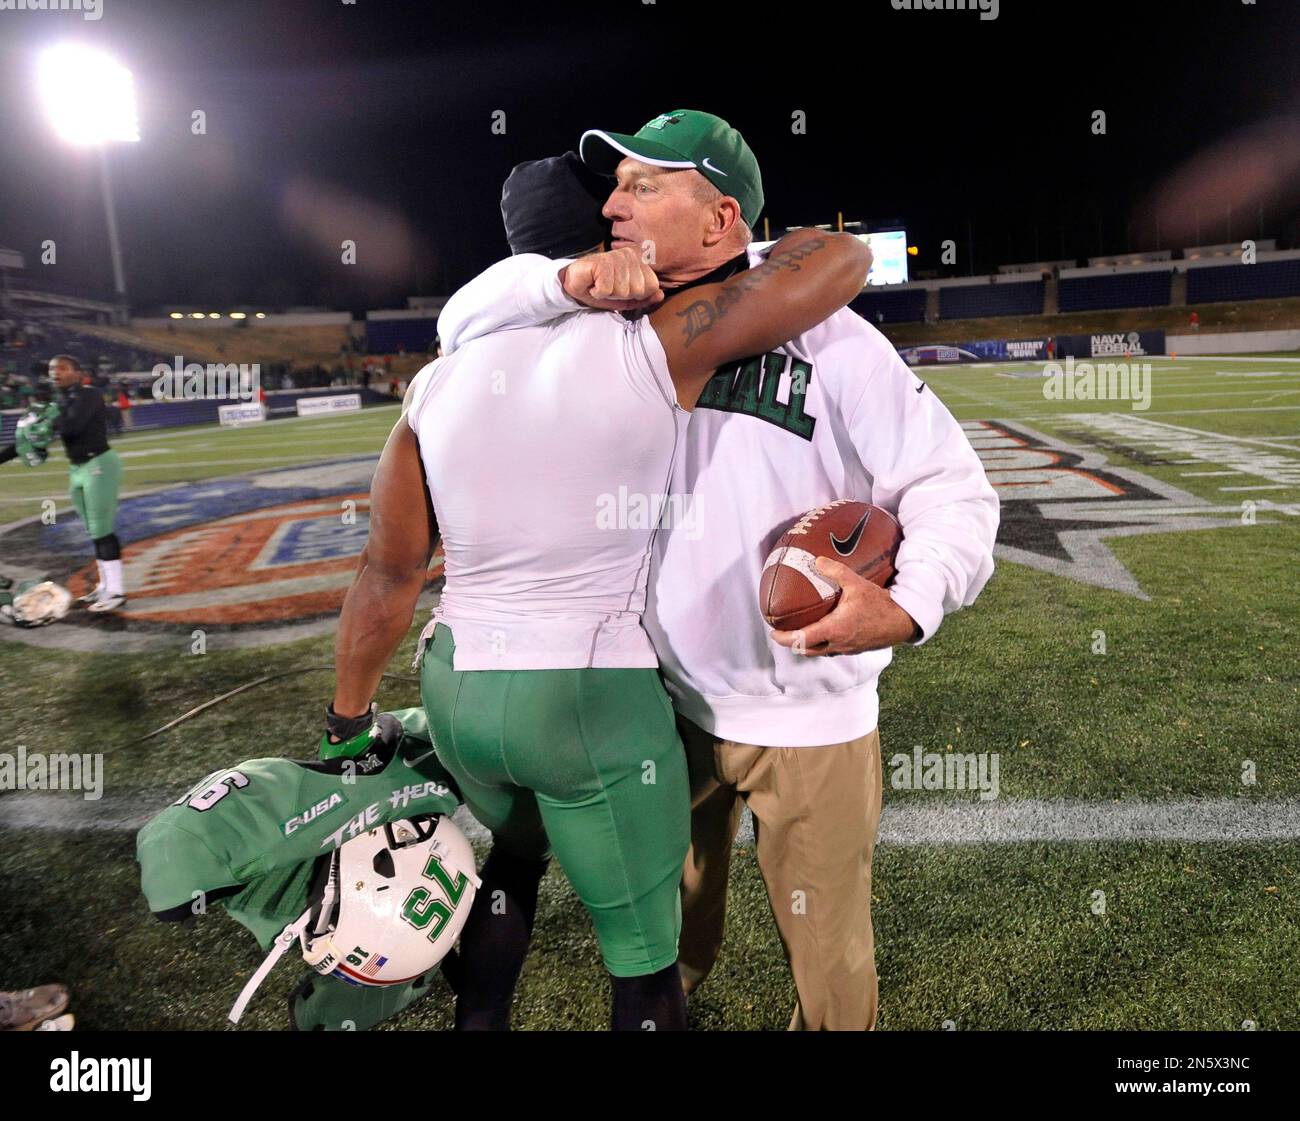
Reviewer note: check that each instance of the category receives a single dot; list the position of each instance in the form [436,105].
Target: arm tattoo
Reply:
[702,316]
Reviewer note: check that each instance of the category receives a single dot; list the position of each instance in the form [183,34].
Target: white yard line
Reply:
[1267,486]
[1230,358]
[940,823]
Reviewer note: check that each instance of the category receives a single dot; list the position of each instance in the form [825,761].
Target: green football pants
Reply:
[94,486]
[584,763]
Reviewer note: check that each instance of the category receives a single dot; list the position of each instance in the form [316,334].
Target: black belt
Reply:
[83,462]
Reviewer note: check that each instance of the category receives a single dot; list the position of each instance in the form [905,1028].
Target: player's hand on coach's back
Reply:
[619,280]
[809,275]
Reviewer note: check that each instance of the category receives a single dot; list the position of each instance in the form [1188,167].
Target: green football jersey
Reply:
[267,820]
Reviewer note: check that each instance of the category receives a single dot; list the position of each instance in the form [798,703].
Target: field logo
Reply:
[1060,504]
[250,560]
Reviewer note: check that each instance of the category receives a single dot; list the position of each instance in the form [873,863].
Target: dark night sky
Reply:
[373,121]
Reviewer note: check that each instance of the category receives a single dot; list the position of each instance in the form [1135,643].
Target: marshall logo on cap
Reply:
[696,141]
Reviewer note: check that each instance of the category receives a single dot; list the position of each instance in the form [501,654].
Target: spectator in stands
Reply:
[1195,321]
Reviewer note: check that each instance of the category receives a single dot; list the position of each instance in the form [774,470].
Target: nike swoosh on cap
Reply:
[716,170]
[845,548]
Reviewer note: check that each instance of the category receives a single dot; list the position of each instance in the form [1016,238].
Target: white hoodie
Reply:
[755,459]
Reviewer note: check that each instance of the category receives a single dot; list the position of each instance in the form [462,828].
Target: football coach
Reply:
[785,723]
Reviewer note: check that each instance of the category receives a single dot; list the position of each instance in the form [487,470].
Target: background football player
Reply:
[94,476]
[80,418]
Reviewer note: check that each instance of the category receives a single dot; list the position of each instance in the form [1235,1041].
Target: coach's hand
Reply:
[615,281]
[866,618]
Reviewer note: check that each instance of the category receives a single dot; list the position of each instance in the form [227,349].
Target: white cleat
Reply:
[106,603]
[91,596]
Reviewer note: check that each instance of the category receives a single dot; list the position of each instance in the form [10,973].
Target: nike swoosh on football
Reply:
[845,548]
[716,170]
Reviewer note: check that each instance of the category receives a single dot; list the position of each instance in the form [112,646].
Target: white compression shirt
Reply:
[757,454]
[548,453]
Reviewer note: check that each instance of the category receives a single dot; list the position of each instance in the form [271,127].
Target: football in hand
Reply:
[792,593]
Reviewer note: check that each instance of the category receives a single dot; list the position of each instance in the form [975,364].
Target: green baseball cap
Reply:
[685,138]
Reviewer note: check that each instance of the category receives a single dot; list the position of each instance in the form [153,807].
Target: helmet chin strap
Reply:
[302,929]
[288,936]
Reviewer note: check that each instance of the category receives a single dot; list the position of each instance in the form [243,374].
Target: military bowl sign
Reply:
[250,560]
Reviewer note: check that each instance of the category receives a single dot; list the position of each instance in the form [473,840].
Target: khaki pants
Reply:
[816,812]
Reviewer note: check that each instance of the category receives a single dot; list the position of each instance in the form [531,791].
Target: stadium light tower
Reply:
[90,99]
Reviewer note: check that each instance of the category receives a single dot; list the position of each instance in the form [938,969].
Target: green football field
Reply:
[1132,666]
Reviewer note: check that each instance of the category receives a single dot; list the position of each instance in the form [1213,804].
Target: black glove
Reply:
[346,735]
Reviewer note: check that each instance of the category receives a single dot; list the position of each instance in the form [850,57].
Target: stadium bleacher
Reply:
[388,336]
[982,301]
[1121,290]
[1262,281]
[94,352]
[882,306]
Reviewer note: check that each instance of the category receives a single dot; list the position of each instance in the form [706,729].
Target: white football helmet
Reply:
[38,603]
[390,905]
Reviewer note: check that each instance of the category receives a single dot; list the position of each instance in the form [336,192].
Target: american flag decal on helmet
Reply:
[373,966]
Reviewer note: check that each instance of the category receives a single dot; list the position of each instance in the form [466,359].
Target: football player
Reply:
[538,679]
[95,475]
[80,418]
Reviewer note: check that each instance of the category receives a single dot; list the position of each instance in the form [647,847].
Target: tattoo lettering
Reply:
[699,317]
[702,315]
